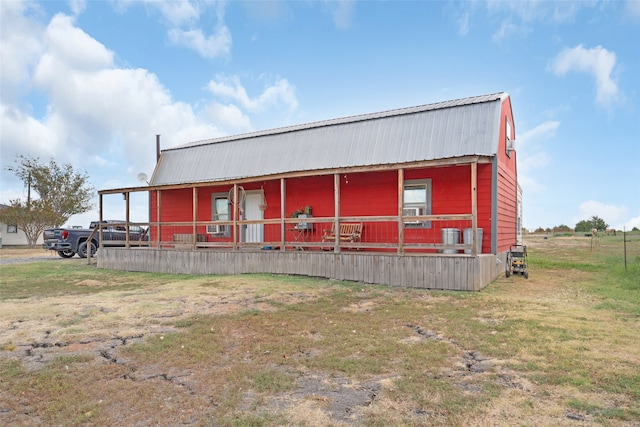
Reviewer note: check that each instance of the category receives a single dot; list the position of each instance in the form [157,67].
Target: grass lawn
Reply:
[82,346]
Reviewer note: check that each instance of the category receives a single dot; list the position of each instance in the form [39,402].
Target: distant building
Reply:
[11,235]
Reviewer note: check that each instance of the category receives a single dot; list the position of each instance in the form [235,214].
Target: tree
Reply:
[598,223]
[62,192]
[583,226]
[32,219]
[594,222]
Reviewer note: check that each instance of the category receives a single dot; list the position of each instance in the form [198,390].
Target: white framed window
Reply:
[219,212]
[416,201]
[509,136]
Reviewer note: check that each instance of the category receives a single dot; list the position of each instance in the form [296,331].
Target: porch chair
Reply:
[349,232]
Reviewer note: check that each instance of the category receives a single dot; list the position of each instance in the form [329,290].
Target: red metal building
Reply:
[423,196]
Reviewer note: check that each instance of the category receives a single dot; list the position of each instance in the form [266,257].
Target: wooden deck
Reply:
[450,272]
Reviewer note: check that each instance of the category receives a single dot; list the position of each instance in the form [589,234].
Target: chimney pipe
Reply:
[157,148]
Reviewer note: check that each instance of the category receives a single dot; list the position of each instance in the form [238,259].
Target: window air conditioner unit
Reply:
[215,229]
[511,145]
[411,212]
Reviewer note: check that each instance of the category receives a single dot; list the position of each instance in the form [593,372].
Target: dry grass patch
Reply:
[90,347]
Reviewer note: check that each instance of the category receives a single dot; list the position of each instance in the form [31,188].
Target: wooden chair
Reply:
[349,232]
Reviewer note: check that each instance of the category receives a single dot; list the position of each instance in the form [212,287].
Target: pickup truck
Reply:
[70,241]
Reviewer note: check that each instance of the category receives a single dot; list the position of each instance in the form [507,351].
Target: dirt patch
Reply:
[361,306]
[322,399]
[91,282]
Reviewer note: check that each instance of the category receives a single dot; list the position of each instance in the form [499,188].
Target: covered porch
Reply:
[311,224]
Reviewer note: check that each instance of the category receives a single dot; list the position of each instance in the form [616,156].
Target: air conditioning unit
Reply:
[216,229]
[411,212]
[511,145]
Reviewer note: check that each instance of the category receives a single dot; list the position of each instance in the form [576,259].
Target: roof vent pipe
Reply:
[157,148]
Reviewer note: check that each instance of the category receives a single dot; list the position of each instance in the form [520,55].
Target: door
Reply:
[253,233]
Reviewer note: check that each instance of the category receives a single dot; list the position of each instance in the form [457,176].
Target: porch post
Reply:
[234,216]
[127,218]
[99,223]
[494,205]
[400,211]
[283,210]
[474,207]
[89,255]
[158,204]
[336,211]
[195,216]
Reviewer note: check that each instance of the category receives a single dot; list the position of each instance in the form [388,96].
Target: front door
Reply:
[253,233]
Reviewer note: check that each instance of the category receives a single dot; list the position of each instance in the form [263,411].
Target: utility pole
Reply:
[29,192]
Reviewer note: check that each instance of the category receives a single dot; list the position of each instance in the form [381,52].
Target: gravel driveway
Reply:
[16,256]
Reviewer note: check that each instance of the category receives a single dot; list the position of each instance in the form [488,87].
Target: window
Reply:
[509,136]
[12,228]
[219,212]
[417,202]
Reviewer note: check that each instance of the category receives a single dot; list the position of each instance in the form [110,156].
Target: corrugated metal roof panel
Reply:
[468,126]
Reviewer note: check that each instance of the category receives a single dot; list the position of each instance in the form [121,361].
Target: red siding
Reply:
[316,191]
[507,185]
[484,205]
[361,194]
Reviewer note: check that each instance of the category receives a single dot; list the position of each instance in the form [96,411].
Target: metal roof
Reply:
[461,127]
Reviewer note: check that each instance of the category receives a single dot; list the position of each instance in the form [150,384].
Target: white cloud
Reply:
[530,152]
[506,29]
[529,185]
[175,12]
[77,6]
[216,45]
[542,131]
[280,93]
[531,156]
[70,45]
[463,23]
[182,17]
[519,17]
[342,12]
[178,12]
[631,224]
[633,9]
[230,115]
[23,134]
[534,161]
[612,214]
[102,117]
[20,48]
[597,62]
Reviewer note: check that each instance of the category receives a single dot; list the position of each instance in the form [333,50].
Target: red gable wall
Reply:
[507,184]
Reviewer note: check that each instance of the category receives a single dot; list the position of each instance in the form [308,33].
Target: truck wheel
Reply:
[66,254]
[82,249]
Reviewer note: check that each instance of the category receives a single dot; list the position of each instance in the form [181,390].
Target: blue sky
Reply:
[92,82]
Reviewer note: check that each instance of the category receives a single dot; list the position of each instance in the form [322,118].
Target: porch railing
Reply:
[427,234]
